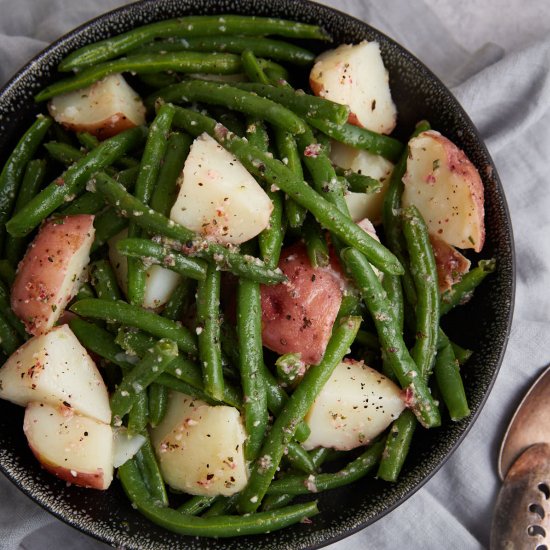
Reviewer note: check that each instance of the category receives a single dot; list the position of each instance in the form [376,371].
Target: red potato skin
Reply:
[103,129]
[89,480]
[297,316]
[34,295]
[450,263]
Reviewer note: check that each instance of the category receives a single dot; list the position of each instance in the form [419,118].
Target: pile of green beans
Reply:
[191,344]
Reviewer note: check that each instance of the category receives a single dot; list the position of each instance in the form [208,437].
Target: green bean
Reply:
[224,258]
[325,181]
[87,140]
[134,316]
[217,526]
[302,104]
[392,219]
[72,181]
[361,138]
[290,369]
[185,27]
[138,417]
[92,203]
[208,330]
[7,272]
[303,485]
[394,292]
[262,47]
[197,504]
[181,62]
[14,168]
[288,152]
[316,245]
[249,330]
[350,305]
[175,384]
[181,368]
[101,342]
[391,339]
[9,339]
[397,446]
[368,339]
[178,303]
[158,403]
[252,68]
[225,505]
[60,134]
[230,119]
[271,238]
[147,464]
[85,291]
[424,273]
[299,458]
[276,396]
[104,281]
[149,168]
[9,315]
[107,225]
[276,173]
[462,291]
[462,355]
[141,376]
[155,253]
[293,412]
[64,153]
[359,183]
[449,382]
[166,190]
[31,183]
[233,98]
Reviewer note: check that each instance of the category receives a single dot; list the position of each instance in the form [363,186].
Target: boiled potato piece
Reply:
[354,75]
[54,368]
[450,263]
[363,205]
[298,315]
[355,405]
[50,273]
[104,109]
[125,446]
[447,190]
[218,198]
[160,282]
[200,447]
[75,448]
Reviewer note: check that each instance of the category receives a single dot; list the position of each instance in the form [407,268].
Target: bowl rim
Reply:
[51,48]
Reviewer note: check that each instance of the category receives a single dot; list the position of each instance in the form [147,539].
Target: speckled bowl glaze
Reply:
[483,324]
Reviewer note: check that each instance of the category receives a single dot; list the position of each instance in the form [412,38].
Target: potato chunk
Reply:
[297,316]
[363,205]
[200,447]
[54,368]
[49,275]
[75,448]
[104,109]
[447,190]
[218,197]
[354,75]
[356,404]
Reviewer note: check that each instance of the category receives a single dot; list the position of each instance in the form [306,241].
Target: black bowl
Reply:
[483,324]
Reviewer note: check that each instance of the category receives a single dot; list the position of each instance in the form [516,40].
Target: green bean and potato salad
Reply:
[227,284]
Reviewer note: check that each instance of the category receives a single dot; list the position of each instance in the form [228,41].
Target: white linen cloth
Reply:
[496,56]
